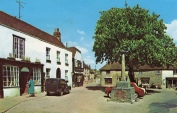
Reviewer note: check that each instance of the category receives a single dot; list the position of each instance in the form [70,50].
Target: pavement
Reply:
[10,102]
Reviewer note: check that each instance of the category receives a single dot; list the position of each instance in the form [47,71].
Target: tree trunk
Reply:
[131,74]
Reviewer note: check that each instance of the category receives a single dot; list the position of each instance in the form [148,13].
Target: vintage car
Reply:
[57,85]
[139,92]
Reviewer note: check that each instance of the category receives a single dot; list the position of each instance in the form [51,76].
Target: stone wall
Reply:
[115,75]
[154,77]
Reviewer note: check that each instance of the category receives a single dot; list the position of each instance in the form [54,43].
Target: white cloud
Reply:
[83,50]
[88,45]
[81,32]
[82,38]
[172,30]
[89,61]
[71,44]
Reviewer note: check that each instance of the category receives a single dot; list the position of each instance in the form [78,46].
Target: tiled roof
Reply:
[111,67]
[73,49]
[18,25]
[86,66]
[117,67]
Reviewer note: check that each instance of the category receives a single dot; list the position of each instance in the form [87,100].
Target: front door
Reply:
[58,73]
[24,78]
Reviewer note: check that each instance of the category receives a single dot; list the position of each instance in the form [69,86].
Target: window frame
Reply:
[108,81]
[66,75]
[58,57]
[66,60]
[18,44]
[158,72]
[175,72]
[37,76]
[13,71]
[48,55]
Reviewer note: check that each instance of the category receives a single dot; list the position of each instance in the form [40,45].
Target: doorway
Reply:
[58,73]
[23,80]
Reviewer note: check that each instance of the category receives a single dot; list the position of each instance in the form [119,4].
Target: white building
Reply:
[78,67]
[23,41]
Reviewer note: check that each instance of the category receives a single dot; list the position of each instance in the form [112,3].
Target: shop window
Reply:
[37,76]
[10,76]
[78,78]
[18,47]
[145,80]
[108,81]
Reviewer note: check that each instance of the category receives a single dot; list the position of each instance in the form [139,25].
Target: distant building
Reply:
[111,73]
[78,67]
[86,73]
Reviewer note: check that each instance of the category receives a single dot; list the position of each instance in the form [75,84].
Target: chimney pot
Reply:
[57,34]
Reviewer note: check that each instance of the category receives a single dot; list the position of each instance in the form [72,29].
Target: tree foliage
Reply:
[135,29]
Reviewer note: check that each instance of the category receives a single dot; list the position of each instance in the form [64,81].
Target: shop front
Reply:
[171,82]
[78,79]
[14,76]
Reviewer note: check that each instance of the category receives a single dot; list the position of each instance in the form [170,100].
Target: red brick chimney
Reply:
[57,34]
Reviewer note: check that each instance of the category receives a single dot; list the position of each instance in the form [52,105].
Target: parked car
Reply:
[139,92]
[57,85]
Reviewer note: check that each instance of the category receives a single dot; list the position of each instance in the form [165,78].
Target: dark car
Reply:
[139,92]
[57,85]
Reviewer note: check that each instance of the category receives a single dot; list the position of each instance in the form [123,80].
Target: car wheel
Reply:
[69,91]
[48,94]
[61,93]
[109,94]
[136,95]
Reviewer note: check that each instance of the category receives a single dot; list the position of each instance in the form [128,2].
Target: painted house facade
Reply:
[86,73]
[23,41]
[145,75]
[78,67]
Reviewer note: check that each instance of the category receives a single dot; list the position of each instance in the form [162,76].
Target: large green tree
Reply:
[139,32]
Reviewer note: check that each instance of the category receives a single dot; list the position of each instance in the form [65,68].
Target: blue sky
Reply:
[77,19]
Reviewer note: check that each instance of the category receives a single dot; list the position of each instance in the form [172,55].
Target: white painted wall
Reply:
[37,89]
[166,73]
[78,56]
[11,92]
[36,48]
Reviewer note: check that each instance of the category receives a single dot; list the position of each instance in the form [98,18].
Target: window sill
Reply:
[59,63]
[66,64]
[48,61]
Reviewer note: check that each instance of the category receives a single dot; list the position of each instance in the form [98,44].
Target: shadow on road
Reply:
[152,91]
[157,107]
[101,88]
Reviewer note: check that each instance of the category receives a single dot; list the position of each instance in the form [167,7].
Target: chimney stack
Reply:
[57,34]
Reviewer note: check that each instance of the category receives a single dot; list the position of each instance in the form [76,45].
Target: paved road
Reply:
[91,99]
